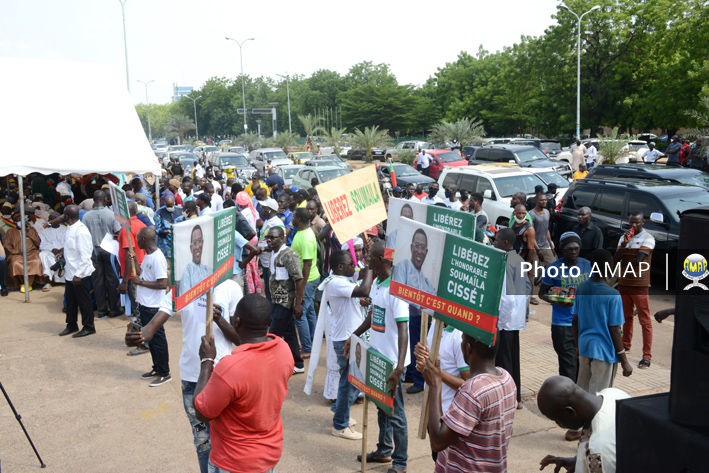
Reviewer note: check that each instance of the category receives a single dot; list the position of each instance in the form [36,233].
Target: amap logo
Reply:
[695,268]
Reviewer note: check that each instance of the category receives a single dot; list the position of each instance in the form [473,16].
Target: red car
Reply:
[444,158]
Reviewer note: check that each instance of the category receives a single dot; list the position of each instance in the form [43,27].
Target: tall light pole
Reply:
[147,105]
[125,42]
[578,68]
[241,60]
[196,127]
[290,129]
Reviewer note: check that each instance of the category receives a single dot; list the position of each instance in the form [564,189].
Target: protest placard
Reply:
[202,255]
[451,221]
[120,205]
[369,372]
[462,283]
[353,202]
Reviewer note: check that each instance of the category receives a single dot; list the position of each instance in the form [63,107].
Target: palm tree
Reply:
[370,138]
[465,130]
[611,147]
[310,123]
[249,140]
[268,142]
[285,139]
[179,123]
[334,137]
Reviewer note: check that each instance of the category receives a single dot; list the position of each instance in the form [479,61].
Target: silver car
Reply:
[260,157]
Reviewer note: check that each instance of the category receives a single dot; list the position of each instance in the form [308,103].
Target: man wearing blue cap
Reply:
[397,191]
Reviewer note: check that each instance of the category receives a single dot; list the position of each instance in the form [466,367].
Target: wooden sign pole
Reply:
[364,435]
[210,313]
[437,333]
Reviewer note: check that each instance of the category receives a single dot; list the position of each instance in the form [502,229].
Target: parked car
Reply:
[205,149]
[496,184]
[188,148]
[632,151]
[303,177]
[611,202]
[344,149]
[551,148]
[524,156]
[406,174]
[413,146]
[361,153]
[300,157]
[288,172]
[469,151]
[443,158]
[162,147]
[232,164]
[259,158]
[188,161]
[235,149]
[332,159]
[223,144]
[653,172]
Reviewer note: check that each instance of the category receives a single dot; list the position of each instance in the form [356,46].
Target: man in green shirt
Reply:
[306,245]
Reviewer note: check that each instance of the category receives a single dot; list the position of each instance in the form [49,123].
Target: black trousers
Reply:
[283,325]
[414,337]
[105,281]
[79,298]
[565,348]
[3,273]
[508,356]
[158,344]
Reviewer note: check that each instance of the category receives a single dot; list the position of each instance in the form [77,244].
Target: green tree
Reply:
[285,140]
[179,124]
[335,137]
[370,138]
[465,130]
[611,147]
[249,140]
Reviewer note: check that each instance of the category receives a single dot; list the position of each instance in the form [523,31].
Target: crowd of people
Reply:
[295,283]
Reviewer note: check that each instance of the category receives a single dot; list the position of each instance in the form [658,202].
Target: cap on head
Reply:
[271,204]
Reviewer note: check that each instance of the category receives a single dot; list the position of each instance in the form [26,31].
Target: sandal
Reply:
[374,458]
[47,287]
[644,363]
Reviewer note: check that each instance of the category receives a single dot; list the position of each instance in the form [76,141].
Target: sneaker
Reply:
[300,370]
[347,433]
[644,363]
[149,375]
[352,422]
[160,380]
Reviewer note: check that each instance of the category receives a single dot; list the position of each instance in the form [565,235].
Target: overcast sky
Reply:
[183,40]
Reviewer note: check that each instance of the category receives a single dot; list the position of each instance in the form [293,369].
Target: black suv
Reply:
[551,148]
[361,153]
[611,202]
[523,156]
[673,174]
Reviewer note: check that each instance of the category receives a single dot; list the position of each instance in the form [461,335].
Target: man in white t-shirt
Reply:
[389,322]
[651,154]
[423,162]
[151,282]
[269,215]
[565,403]
[217,203]
[590,156]
[226,296]
[432,197]
[452,201]
[343,297]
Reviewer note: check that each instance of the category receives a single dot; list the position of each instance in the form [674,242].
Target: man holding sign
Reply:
[390,336]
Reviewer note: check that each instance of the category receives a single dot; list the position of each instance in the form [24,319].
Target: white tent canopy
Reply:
[69,117]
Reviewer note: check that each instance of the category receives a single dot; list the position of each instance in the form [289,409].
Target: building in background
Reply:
[179,90]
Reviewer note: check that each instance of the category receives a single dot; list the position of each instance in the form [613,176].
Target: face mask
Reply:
[520,221]
[170,209]
[432,192]
[448,194]
[185,214]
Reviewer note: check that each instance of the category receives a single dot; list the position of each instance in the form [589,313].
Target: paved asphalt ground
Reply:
[86,409]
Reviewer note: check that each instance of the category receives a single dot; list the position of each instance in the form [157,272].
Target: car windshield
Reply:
[303,155]
[331,157]
[276,155]
[553,176]
[530,155]
[449,157]
[184,155]
[235,160]
[550,146]
[161,146]
[682,202]
[178,148]
[405,170]
[323,162]
[507,186]
[700,179]
[210,149]
[331,174]
[636,146]
[289,173]
[189,162]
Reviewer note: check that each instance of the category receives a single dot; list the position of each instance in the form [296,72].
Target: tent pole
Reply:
[24,238]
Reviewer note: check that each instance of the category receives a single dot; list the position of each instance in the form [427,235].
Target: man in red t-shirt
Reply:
[242,396]
[135,225]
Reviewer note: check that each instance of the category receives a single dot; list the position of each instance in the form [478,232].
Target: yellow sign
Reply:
[353,202]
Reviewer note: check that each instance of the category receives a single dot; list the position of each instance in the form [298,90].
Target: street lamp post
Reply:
[125,42]
[241,60]
[147,105]
[290,128]
[194,102]
[578,67]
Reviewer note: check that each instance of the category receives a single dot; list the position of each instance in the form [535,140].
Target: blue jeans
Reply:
[215,469]
[346,392]
[200,430]
[414,337]
[306,324]
[394,428]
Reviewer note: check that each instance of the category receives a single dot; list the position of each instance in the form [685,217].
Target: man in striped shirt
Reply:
[473,435]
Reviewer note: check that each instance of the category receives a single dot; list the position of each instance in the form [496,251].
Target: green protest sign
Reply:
[120,205]
[461,283]
[369,372]
[202,255]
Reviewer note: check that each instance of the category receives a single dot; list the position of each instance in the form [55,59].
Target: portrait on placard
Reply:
[193,253]
[417,261]
[358,359]
[410,209]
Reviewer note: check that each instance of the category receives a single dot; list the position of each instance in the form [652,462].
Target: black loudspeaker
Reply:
[647,441]
[689,388]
